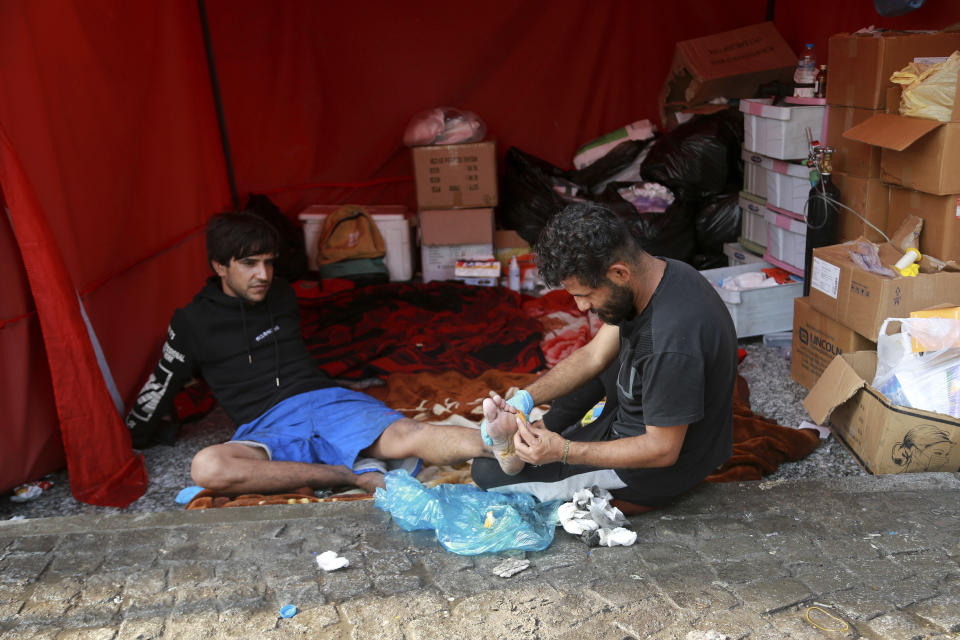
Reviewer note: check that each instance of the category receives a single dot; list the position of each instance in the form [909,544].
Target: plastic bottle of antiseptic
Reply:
[806,73]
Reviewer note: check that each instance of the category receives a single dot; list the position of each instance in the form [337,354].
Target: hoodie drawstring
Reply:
[246,340]
[276,347]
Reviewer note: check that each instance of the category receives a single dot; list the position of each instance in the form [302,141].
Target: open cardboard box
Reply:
[916,153]
[862,300]
[861,63]
[731,64]
[886,438]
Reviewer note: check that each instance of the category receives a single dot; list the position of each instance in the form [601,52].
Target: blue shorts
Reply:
[326,426]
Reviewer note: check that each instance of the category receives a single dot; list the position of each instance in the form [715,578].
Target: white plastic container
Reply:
[754,174]
[392,222]
[753,225]
[780,132]
[756,311]
[786,241]
[788,185]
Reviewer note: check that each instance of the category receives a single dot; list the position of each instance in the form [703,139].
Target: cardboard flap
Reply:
[891,131]
[838,383]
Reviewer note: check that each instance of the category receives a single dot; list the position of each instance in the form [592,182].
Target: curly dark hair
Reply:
[238,234]
[582,241]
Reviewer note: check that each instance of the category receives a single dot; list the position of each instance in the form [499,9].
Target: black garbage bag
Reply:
[292,262]
[667,233]
[531,192]
[700,158]
[621,164]
[717,222]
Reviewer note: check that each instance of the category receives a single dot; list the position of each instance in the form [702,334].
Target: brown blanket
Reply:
[760,445]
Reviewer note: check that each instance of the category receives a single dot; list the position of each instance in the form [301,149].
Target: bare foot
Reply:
[370,481]
[501,425]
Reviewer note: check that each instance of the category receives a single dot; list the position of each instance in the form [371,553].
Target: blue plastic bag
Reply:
[469,521]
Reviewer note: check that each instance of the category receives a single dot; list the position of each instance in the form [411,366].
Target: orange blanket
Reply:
[760,445]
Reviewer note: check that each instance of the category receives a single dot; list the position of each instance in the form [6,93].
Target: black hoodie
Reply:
[251,355]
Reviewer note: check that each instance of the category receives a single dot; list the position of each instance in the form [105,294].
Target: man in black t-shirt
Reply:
[665,359]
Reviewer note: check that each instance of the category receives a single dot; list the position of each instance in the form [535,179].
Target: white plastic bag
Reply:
[928,380]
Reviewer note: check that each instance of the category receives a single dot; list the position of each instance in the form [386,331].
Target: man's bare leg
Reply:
[233,468]
[444,444]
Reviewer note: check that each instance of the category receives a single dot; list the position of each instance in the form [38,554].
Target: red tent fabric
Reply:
[110,120]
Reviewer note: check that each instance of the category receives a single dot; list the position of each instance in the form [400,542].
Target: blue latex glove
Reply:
[521,400]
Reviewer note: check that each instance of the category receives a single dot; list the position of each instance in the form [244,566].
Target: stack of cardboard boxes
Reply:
[456,188]
[860,66]
[887,167]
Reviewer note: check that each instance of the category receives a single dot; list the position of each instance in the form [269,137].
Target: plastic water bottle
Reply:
[806,73]
[513,274]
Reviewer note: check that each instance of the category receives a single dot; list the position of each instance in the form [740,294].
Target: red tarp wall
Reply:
[112,133]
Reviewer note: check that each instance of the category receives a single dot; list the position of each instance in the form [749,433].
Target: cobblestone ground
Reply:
[874,557]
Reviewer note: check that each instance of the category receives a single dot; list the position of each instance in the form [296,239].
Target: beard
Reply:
[619,307]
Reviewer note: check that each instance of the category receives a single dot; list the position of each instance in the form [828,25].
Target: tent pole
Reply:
[771,5]
[218,102]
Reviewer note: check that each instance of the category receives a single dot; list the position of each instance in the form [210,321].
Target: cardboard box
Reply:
[869,197]
[862,300]
[456,176]
[756,311]
[886,438]
[940,236]
[508,244]
[450,235]
[732,64]
[917,153]
[861,65]
[817,339]
[851,157]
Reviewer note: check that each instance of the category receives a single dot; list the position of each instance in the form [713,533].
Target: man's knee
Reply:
[211,468]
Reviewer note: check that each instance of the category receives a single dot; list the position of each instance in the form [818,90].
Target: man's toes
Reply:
[490,410]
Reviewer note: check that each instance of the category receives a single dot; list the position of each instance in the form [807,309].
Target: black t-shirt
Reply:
[678,365]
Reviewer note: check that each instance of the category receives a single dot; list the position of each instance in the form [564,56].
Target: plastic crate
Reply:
[756,311]
[780,131]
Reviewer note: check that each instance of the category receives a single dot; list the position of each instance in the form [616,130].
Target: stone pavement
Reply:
[868,557]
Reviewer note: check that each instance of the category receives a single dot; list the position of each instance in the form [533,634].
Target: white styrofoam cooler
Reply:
[756,311]
[780,131]
[737,254]
[753,226]
[786,239]
[754,174]
[788,185]
[392,222]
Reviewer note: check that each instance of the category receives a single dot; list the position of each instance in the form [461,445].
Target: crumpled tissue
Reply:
[590,515]
[330,561]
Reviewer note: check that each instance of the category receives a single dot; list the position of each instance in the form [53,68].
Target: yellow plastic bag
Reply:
[928,90]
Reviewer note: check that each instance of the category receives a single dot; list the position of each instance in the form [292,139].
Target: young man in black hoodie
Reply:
[296,426]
